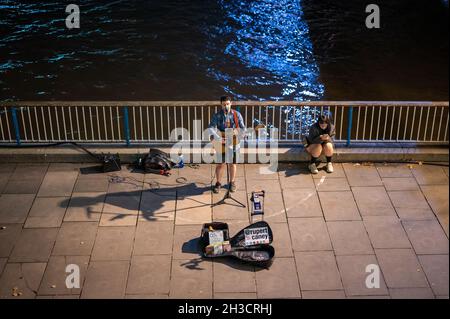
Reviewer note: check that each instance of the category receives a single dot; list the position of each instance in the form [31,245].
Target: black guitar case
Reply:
[251,244]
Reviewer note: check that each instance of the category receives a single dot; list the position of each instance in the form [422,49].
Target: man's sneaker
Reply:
[232,187]
[313,168]
[216,188]
[329,168]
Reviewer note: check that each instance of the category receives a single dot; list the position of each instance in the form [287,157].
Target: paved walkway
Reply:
[133,240]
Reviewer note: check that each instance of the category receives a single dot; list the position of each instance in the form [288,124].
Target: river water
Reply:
[201,49]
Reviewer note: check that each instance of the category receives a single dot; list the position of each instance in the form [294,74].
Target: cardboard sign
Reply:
[256,236]
[215,237]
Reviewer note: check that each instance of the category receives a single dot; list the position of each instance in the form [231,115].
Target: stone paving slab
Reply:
[6,171]
[256,171]
[232,295]
[274,209]
[231,210]
[331,184]
[361,175]
[318,271]
[411,293]
[282,240]
[155,296]
[58,183]
[106,280]
[47,212]
[26,179]
[185,243]
[8,238]
[157,206]
[325,294]
[27,172]
[121,209]
[192,282]
[142,230]
[300,180]
[2,264]
[75,239]
[302,203]
[22,186]
[85,207]
[386,232]
[15,208]
[59,297]
[339,206]
[401,268]
[430,175]
[373,201]
[149,275]
[400,184]
[354,274]
[54,279]
[309,234]
[195,209]
[34,245]
[411,205]
[259,184]
[21,280]
[393,170]
[436,268]
[427,237]
[153,238]
[349,238]
[108,247]
[88,185]
[280,281]
[437,197]
[338,171]
[127,186]
[227,279]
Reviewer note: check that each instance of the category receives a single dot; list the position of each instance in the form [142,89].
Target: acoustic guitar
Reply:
[220,145]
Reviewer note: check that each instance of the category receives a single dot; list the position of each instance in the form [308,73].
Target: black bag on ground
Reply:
[251,244]
[157,162]
[111,163]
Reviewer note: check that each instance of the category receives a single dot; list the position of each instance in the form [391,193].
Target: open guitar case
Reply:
[250,245]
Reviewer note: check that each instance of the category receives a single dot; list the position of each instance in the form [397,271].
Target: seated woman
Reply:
[320,139]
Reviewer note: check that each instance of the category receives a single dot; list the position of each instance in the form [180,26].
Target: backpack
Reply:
[157,162]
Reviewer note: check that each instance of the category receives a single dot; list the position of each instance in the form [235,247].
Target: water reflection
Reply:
[271,39]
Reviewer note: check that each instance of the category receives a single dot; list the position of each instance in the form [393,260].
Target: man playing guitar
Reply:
[226,118]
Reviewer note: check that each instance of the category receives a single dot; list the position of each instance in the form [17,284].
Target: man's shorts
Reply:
[221,157]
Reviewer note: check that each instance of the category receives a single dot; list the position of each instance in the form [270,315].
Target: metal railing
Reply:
[153,122]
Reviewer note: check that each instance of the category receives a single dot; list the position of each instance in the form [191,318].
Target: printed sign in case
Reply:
[256,236]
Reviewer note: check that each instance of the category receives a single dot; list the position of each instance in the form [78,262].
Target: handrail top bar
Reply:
[217,103]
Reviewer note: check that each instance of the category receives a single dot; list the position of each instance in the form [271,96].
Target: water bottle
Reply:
[181,162]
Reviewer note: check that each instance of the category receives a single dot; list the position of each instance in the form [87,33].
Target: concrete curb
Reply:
[70,154]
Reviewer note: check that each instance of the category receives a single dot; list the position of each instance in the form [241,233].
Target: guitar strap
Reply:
[236,121]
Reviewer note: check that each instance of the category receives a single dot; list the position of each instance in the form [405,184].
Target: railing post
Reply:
[349,124]
[126,125]
[15,125]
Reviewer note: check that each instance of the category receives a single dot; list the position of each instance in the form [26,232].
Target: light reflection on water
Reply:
[271,38]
